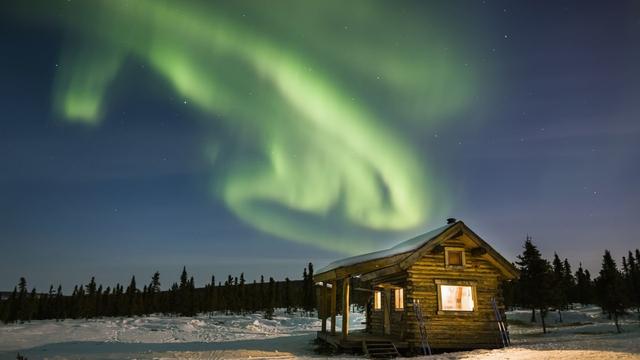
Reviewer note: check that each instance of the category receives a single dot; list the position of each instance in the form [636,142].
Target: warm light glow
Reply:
[399,298]
[377,300]
[456,298]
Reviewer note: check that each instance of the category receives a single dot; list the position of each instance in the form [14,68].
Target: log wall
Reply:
[452,330]
[445,329]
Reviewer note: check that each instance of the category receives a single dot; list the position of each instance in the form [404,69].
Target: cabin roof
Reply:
[405,253]
[400,248]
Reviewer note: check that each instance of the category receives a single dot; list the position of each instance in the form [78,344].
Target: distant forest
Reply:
[235,296]
[545,285]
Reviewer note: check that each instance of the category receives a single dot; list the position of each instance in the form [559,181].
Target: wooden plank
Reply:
[359,268]
[387,311]
[376,274]
[323,307]
[325,276]
[345,307]
[334,295]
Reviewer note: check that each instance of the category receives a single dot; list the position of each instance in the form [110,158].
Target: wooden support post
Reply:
[323,306]
[345,307]
[334,296]
[386,308]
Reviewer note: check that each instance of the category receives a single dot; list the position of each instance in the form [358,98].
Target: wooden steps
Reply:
[379,349]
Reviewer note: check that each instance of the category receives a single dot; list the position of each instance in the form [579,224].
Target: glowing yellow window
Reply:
[456,298]
[377,300]
[399,298]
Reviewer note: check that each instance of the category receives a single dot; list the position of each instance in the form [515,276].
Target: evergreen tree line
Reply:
[544,285]
[234,296]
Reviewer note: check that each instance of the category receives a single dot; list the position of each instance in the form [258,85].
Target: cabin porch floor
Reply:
[355,338]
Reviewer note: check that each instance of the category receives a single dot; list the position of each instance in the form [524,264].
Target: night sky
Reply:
[258,136]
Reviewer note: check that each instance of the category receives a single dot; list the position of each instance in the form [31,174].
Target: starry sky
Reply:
[138,136]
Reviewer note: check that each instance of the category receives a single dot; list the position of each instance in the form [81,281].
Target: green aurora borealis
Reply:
[313,93]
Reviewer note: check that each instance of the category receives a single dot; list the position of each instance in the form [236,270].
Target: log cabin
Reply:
[446,282]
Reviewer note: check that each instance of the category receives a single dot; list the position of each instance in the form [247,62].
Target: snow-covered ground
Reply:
[585,334]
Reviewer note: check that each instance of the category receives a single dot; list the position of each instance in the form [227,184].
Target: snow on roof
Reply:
[403,247]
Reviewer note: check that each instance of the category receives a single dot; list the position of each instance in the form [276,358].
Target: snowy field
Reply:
[584,334]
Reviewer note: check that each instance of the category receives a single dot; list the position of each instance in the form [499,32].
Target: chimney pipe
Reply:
[451,220]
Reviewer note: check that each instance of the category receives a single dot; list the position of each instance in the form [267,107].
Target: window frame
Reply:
[448,282]
[446,257]
[395,299]
[377,300]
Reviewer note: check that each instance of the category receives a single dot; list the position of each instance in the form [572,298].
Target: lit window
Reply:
[456,298]
[399,298]
[377,300]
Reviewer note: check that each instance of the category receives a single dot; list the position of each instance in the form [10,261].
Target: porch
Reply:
[350,340]
[355,339]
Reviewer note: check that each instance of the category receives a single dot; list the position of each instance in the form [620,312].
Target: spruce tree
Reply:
[99,310]
[305,289]
[508,293]
[235,303]
[311,294]
[610,289]
[153,293]
[89,304]
[634,282]
[22,285]
[21,304]
[589,287]
[569,283]
[173,302]
[131,295]
[287,295]
[583,286]
[254,298]
[46,310]
[32,305]
[59,304]
[215,295]
[229,295]
[12,307]
[262,304]
[535,282]
[241,294]
[271,292]
[154,286]
[184,294]
[558,286]
[191,298]
[184,278]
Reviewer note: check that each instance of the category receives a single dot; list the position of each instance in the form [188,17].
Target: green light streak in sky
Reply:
[324,108]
